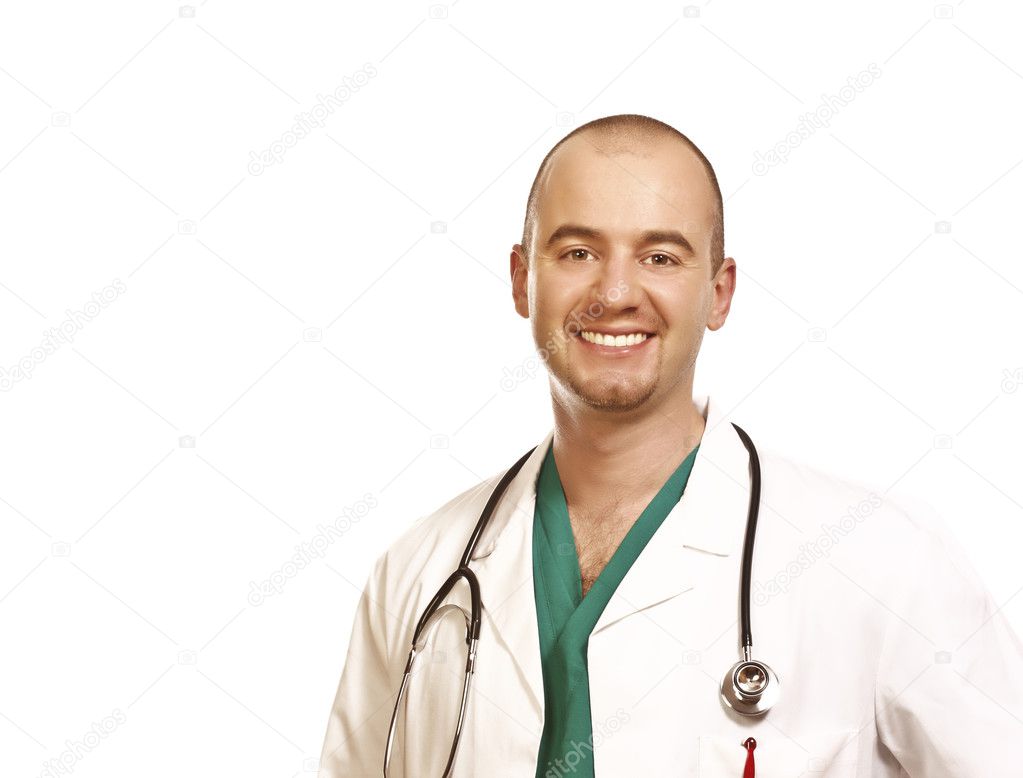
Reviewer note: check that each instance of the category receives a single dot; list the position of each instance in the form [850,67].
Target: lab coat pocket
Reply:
[830,754]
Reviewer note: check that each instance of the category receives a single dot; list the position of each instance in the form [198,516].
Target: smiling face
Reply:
[621,247]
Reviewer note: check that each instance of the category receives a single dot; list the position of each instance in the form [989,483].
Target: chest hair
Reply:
[598,534]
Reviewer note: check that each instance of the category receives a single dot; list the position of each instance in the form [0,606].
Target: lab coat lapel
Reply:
[503,563]
[710,517]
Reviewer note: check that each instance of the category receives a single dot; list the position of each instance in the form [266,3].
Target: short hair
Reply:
[625,131]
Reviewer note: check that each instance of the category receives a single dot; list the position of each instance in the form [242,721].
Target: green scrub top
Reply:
[565,618]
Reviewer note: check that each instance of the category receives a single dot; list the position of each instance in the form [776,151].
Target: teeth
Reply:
[614,340]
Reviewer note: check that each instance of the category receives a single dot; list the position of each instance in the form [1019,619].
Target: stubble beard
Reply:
[617,396]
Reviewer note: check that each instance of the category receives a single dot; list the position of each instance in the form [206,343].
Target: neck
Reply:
[604,457]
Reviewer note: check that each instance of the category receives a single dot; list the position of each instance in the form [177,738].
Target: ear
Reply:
[519,268]
[723,288]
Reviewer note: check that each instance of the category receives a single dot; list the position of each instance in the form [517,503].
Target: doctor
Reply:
[609,571]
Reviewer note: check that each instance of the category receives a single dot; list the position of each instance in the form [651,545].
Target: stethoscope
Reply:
[750,687]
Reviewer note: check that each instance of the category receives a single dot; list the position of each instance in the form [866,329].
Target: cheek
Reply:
[681,306]
[551,310]
[553,302]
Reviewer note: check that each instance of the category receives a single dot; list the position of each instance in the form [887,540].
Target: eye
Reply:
[577,254]
[668,260]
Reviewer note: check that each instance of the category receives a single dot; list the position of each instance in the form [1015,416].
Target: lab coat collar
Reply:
[710,517]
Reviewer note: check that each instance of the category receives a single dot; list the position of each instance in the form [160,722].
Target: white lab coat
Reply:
[893,660]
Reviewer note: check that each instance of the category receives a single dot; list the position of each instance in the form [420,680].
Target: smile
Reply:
[617,341]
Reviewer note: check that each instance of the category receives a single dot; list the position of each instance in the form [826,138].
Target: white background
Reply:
[325,346]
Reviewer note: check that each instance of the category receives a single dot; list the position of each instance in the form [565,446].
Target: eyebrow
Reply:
[589,233]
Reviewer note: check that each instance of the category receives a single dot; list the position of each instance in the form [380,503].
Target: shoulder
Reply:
[809,490]
[883,532]
[435,539]
[410,569]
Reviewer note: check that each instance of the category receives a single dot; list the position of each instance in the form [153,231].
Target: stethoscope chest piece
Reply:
[750,687]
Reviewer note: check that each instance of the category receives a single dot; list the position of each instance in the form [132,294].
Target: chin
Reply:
[615,398]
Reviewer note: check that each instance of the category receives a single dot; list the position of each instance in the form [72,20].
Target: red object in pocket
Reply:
[750,771]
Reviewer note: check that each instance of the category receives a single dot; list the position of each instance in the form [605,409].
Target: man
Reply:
[609,571]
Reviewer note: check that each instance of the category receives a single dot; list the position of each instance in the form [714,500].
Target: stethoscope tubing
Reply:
[463,572]
[746,576]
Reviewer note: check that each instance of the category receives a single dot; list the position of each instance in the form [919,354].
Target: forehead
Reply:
[651,184]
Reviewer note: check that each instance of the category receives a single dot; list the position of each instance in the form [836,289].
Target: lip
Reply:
[615,351]
[621,331]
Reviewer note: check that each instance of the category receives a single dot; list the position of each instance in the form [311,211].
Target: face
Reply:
[618,287]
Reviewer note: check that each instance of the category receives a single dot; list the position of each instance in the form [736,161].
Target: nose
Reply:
[618,283]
